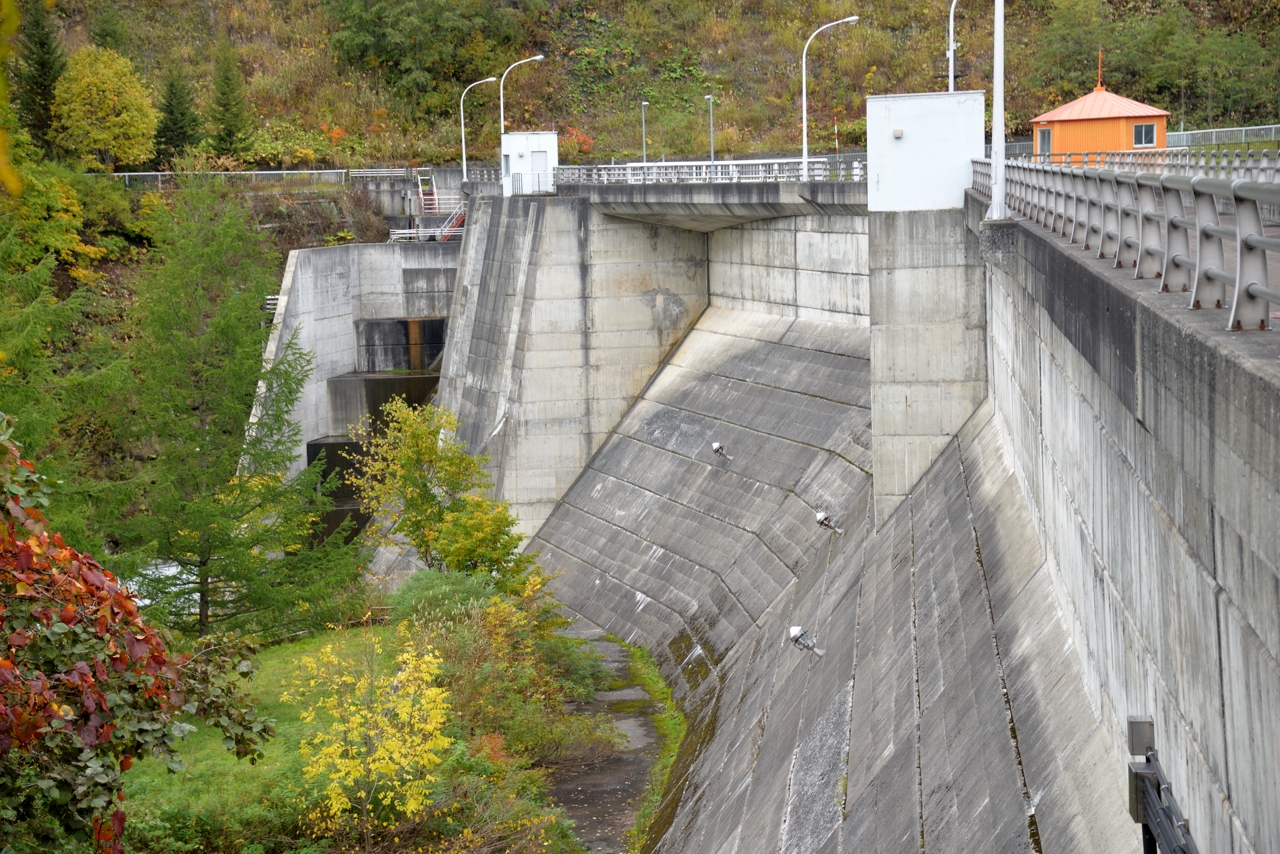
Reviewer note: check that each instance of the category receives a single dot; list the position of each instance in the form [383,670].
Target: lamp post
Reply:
[951,48]
[711,123]
[804,93]
[644,136]
[502,105]
[998,209]
[462,120]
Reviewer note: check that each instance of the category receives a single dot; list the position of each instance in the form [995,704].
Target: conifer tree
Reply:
[40,64]
[230,111]
[179,126]
[216,526]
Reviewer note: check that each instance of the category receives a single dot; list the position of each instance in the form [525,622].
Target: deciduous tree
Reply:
[102,112]
[371,761]
[85,684]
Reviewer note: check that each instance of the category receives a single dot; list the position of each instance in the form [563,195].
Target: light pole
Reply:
[951,48]
[462,119]
[502,104]
[804,93]
[998,209]
[644,141]
[711,123]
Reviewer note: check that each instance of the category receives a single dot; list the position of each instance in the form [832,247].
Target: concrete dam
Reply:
[1017,496]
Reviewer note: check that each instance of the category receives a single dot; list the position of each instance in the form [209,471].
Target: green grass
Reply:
[670,723]
[228,803]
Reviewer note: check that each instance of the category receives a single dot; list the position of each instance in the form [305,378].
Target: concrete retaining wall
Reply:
[813,267]
[326,292]
[1148,441]
[562,314]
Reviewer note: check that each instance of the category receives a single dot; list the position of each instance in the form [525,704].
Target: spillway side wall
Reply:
[1148,442]
[325,292]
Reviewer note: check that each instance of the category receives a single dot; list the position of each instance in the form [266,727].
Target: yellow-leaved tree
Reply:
[102,113]
[380,734]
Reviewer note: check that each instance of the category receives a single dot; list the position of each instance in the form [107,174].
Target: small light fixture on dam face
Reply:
[801,639]
[825,521]
[719,451]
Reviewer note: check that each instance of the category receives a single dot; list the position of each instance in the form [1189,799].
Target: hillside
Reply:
[350,81]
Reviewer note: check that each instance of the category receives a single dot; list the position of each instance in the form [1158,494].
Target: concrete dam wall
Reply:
[1057,494]
[1148,443]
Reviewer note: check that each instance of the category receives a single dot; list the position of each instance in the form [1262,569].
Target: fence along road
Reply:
[1203,225]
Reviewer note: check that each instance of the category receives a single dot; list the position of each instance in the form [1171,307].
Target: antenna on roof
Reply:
[1100,88]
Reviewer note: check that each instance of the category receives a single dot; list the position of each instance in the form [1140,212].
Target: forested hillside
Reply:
[356,81]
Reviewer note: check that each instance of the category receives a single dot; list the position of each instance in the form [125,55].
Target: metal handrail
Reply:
[713,172]
[1131,207]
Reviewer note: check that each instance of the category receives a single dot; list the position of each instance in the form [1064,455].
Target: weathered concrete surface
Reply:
[814,267]
[326,293]
[901,737]
[928,344]
[709,207]
[562,315]
[1148,440]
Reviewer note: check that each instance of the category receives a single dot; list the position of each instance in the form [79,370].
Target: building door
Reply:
[1046,138]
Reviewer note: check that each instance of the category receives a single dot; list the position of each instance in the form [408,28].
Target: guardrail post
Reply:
[1209,257]
[1151,249]
[1080,213]
[1178,266]
[1130,218]
[1249,311]
[1108,245]
[1093,217]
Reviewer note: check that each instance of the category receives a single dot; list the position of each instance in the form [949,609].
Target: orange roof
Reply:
[1100,104]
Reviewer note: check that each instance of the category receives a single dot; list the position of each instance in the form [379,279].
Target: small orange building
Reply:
[1100,121]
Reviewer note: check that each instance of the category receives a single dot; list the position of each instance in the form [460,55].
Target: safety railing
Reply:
[1151,801]
[1222,136]
[528,183]
[1140,220]
[717,172]
[288,177]
[1253,165]
[487,174]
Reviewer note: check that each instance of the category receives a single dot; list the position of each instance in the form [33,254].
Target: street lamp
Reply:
[804,93]
[711,123]
[462,119]
[502,106]
[997,209]
[951,48]
[644,141]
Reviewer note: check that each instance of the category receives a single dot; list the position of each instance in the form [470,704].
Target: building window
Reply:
[1144,136]
[506,164]
[1046,136]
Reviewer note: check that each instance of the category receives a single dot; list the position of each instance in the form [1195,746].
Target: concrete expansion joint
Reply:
[748,429]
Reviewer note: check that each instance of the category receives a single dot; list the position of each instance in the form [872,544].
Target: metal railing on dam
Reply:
[1141,220]
[714,172]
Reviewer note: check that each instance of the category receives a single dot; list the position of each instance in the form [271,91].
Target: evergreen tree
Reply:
[179,126]
[218,528]
[230,110]
[40,64]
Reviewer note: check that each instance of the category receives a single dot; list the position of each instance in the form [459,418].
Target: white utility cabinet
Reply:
[529,162]
[921,148]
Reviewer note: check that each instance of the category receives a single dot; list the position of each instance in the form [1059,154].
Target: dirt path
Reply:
[601,798]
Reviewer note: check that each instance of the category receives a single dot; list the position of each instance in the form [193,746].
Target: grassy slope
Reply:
[215,784]
[603,58]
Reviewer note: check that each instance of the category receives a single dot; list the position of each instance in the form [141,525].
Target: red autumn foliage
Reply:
[85,683]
